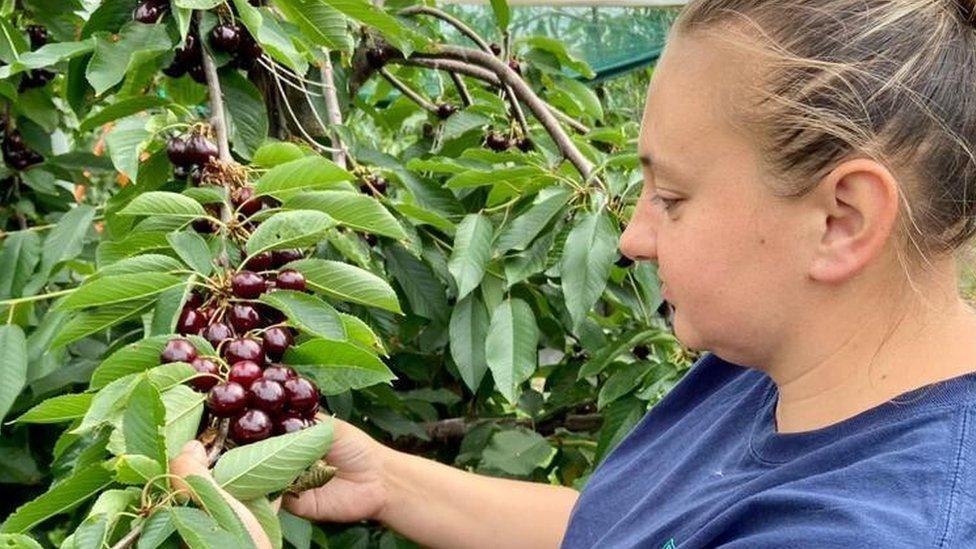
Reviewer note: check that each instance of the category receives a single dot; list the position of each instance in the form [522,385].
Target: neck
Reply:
[858,359]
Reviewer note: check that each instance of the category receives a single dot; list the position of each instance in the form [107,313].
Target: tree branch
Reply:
[462,89]
[332,110]
[409,93]
[217,119]
[449,19]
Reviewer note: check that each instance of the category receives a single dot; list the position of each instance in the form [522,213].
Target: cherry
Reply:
[199,148]
[376,57]
[260,262]
[290,279]
[303,395]
[148,12]
[624,262]
[445,110]
[189,54]
[197,73]
[37,78]
[251,426]
[176,151]
[290,423]
[191,321]
[283,257]
[245,372]
[178,350]
[243,348]
[217,332]
[497,142]
[279,373]
[181,172]
[276,342]
[310,413]
[244,317]
[266,395]
[270,314]
[243,199]
[174,70]
[525,144]
[248,284]
[495,48]
[225,37]
[195,299]
[38,36]
[204,366]
[227,399]
[641,352]
[371,239]
[515,65]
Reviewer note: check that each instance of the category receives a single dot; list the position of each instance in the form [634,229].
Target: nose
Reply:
[639,239]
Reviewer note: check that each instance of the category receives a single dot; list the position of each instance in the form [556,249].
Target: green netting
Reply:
[613,40]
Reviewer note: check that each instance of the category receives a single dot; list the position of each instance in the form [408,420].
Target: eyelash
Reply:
[666,203]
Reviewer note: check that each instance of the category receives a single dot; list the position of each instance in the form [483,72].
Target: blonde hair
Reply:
[890,80]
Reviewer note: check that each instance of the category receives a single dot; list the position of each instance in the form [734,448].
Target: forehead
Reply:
[687,121]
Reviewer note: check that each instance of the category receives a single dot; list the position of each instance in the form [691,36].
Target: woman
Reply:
[809,179]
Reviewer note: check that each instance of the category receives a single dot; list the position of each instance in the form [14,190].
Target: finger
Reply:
[195,450]
[302,505]
[276,504]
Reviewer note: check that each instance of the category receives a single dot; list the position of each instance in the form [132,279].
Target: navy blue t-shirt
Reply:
[706,468]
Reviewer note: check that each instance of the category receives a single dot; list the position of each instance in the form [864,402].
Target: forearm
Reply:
[437,505]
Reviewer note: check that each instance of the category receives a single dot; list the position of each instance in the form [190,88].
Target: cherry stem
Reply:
[218,444]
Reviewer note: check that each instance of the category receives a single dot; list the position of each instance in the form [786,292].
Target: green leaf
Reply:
[13,365]
[146,263]
[139,356]
[620,345]
[293,229]
[136,243]
[248,117]
[135,469]
[621,382]
[266,517]
[184,408]
[18,541]
[359,332]
[90,322]
[618,420]
[401,36]
[193,250]
[558,49]
[457,125]
[423,216]
[587,258]
[296,530]
[264,26]
[424,291]
[112,60]
[58,409]
[468,330]
[510,348]
[524,228]
[12,42]
[197,4]
[125,142]
[307,313]
[121,108]
[502,14]
[64,242]
[160,203]
[158,527]
[305,174]
[198,530]
[252,471]
[347,283]
[353,209]
[582,96]
[509,175]
[472,250]
[106,402]
[60,498]
[275,153]
[337,366]
[142,421]
[517,452]
[119,288]
[217,507]
[20,255]
[319,23]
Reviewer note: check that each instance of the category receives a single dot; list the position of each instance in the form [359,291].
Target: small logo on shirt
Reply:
[669,544]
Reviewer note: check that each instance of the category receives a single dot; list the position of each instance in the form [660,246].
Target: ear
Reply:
[859,204]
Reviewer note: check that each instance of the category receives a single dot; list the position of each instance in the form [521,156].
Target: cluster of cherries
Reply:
[189,154]
[37,78]
[259,399]
[16,153]
[499,142]
[228,38]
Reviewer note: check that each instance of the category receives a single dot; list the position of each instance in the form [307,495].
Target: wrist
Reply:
[391,484]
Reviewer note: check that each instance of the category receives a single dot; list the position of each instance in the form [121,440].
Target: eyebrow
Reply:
[658,167]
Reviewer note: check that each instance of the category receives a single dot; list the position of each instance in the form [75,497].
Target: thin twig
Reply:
[449,19]
[462,89]
[217,119]
[218,445]
[332,110]
[405,90]
[129,538]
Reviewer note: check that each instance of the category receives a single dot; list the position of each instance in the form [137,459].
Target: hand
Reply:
[357,491]
[192,460]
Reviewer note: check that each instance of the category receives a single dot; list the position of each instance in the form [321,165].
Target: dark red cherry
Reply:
[495,48]
[243,317]
[371,239]
[225,37]
[260,262]
[244,372]
[525,144]
[217,332]
[279,373]
[290,423]
[276,341]
[38,36]
[243,348]
[303,395]
[227,399]
[248,284]
[445,110]
[148,12]
[243,199]
[290,279]
[310,413]
[174,70]
[283,257]
[199,148]
[189,54]
[497,142]
[515,65]
[176,152]
[641,352]
[195,299]
[251,426]
[266,395]
[205,366]
[191,321]
[178,350]
[197,73]
[624,262]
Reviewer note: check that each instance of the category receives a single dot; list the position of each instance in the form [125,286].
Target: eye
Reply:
[666,203]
